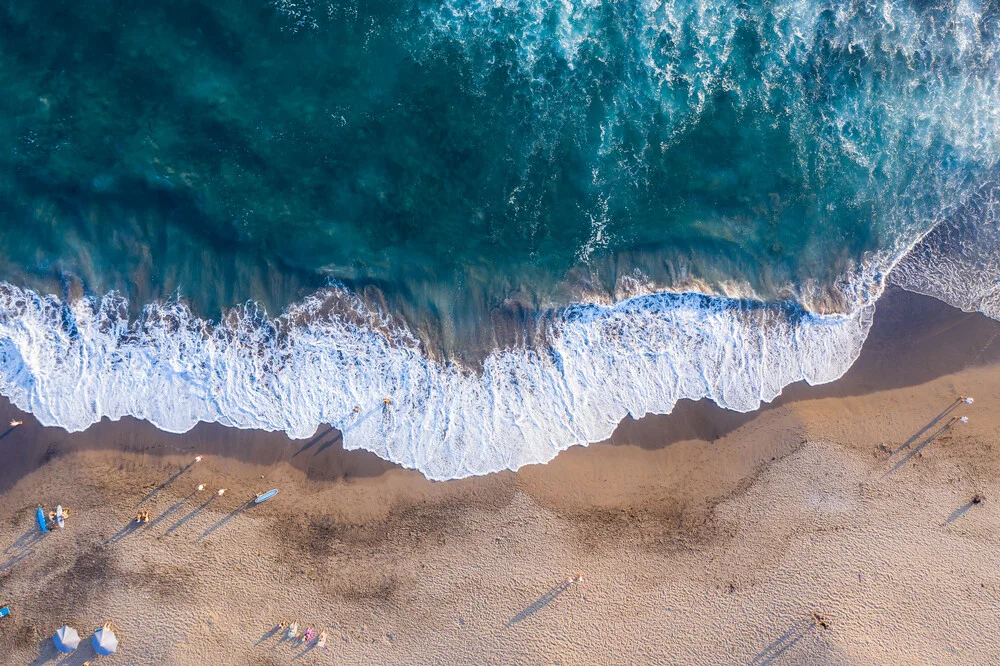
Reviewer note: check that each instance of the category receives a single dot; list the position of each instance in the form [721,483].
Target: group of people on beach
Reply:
[306,637]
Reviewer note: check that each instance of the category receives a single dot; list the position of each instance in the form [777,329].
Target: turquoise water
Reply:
[460,180]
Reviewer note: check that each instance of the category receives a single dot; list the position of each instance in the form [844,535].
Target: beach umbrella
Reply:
[105,641]
[66,639]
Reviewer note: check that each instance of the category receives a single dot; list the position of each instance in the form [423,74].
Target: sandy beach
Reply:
[702,537]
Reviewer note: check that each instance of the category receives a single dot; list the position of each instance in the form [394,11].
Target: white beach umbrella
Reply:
[105,641]
[66,639]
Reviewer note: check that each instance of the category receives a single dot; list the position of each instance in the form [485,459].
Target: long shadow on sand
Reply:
[781,645]
[540,603]
[128,530]
[937,433]
[958,513]
[152,493]
[170,510]
[190,515]
[268,635]
[323,433]
[930,424]
[21,548]
[232,514]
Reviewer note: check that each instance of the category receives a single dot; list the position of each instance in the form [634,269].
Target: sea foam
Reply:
[72,364]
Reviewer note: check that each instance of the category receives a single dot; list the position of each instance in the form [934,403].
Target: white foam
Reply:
[959,261]
[72,364]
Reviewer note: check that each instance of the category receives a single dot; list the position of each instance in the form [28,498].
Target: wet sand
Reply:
[703,537]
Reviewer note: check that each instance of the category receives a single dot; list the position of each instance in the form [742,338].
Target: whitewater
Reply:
[73,363]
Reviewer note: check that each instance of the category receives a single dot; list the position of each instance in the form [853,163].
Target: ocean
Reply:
[471,234]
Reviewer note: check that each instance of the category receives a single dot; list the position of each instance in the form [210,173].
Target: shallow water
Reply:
[476,208]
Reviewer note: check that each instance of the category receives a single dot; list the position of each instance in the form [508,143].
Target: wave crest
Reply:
[72,364]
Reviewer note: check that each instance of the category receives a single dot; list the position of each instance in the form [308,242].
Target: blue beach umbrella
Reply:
[105,641]
[66,639]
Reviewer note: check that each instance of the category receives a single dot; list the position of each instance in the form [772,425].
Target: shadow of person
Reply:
[312,442]
[541,602]
[780,645]
[948,410]
[132,527]
[22,548]
[166,483]
[232,514]
[268,635]
[958,513]
[191,514]
[170,510]
[940,431]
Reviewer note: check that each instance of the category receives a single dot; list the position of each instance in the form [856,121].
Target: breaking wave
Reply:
[72,364]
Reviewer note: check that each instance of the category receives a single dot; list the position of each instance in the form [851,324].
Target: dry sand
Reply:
[704,537]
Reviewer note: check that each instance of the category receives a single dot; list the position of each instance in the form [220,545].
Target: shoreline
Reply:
[290,375]
[680,524]
[270,447]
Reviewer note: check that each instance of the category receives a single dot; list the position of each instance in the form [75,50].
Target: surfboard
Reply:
[266,496]
[41,520]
